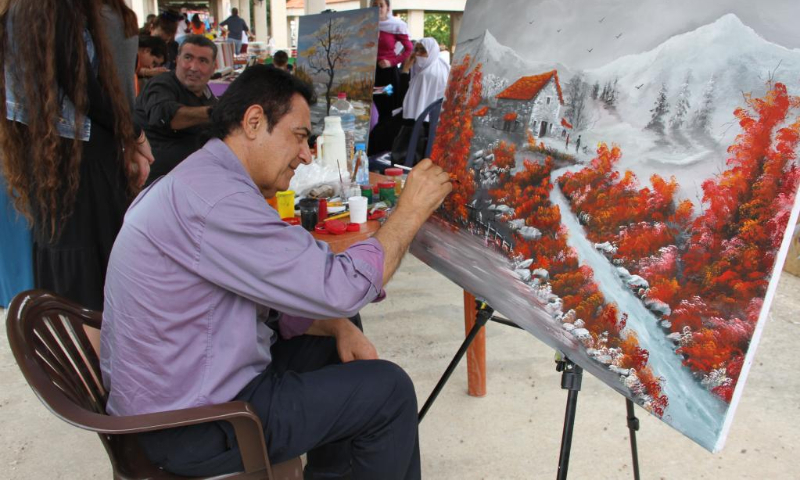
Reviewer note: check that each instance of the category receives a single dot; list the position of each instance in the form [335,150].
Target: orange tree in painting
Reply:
[454,135]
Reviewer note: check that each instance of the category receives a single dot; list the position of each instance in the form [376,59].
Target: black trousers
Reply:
[355,420]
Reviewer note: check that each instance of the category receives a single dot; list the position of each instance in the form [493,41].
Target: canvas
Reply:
[338,52]
[624,176]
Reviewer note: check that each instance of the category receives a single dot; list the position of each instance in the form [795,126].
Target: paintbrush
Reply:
[336,217]
[408,169]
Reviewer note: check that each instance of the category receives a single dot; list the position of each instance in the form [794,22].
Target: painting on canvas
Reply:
[626,173]
[337,52]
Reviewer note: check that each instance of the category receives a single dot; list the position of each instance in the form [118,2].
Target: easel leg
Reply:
[633,426]
[476,354]
[482,316]
[571,376]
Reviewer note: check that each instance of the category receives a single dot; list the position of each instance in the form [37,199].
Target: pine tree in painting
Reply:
[659,111]
[682,105]
[595,90]
[701,121]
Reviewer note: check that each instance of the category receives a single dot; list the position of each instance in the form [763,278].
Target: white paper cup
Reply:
[358,209]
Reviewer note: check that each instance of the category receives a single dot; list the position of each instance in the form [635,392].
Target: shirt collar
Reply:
[228,160]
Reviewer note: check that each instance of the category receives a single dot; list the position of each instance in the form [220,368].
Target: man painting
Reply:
[174,107]
[211,297]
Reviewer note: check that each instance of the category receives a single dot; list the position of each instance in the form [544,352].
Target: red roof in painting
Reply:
[527,88]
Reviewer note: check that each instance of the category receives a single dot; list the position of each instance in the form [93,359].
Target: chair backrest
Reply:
[57,358]
[431,112]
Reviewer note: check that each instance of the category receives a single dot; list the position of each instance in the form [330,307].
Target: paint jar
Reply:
[395,175]
[322,210]
[366,191]
[286,204]
[358,209]
[387,192]
[308,213]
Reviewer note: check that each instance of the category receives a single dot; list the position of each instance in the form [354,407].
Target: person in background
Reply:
[197,26]
[72,157]
[150,60]
[174,108]
[444,53]
[148,24]
[165,28]
[281,60]
[183,28]
[393,31]
[205,273]
[236,27]
[423,78]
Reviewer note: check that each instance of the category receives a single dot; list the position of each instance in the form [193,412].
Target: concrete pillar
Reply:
[365,3]
[260,14]
[314,6]
[244,12]
[278,24]
[416,23]
[455,26]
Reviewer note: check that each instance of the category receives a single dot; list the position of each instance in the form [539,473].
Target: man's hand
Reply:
[351,342]
[142,159]
[425,189]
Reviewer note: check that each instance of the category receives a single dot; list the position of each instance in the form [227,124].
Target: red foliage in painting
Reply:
[482,111]
[711,270]
[454,134]
[510,117]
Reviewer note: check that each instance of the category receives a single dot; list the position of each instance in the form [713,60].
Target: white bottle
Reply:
[342,108]
[331,146]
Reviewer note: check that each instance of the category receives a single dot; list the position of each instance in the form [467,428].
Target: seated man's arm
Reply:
[424,191]
[186,117]
[157,104]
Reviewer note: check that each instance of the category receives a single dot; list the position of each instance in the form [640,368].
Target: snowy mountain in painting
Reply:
[501,65]
[740,60]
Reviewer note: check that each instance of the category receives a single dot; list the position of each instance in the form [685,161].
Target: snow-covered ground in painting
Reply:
[692,408]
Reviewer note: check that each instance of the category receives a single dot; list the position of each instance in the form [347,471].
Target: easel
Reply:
[571,378]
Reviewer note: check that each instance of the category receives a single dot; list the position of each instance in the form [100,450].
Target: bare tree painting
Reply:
[329,54]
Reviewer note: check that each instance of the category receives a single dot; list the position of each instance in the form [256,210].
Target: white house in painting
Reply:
[532,103]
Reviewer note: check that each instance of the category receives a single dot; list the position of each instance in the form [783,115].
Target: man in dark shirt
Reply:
[236,26]
[174,107]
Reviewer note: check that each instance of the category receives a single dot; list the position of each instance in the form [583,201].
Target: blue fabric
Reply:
[16,263]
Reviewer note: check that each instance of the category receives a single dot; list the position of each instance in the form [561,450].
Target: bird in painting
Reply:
[558,31]
[619,35]
[601,20]
[590,49]
[639,86]
[531,22]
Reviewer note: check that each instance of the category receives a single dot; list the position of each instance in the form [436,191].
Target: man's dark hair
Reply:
[167,24]
[235,12]
[280,58]
[157,46]
[270,88]
[200,41]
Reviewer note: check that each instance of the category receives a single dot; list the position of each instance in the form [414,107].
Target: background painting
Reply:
[337,52]
[625,174]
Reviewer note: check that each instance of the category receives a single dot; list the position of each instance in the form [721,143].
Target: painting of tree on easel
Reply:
[337,52]
[625,187]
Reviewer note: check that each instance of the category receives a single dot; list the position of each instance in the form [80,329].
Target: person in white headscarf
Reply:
[426,73]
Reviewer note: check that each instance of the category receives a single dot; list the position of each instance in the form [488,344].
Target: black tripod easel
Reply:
[571,378]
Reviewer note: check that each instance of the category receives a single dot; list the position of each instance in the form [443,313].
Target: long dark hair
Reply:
[42,169]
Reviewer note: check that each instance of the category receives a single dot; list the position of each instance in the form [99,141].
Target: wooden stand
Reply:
[476,353]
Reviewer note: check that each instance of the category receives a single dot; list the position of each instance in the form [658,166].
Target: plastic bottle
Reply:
[331,146]
[342,108]
[361,164]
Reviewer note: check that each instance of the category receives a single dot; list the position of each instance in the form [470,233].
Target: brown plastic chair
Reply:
[48,336]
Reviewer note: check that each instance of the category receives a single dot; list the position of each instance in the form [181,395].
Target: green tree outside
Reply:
[437,25]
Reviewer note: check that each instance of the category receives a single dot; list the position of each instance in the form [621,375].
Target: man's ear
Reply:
[253,120]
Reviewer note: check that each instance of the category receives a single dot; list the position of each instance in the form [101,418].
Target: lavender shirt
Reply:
[199,260]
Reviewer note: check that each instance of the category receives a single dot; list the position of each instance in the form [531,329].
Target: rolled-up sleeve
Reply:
[158,105]
[247,249]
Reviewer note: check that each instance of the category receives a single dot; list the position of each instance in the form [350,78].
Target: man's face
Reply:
[194,67]
[275,155]
[148,60]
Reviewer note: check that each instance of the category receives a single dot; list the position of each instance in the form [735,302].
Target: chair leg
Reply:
[288,470]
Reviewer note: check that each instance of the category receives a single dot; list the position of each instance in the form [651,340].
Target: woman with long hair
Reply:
[197,25]
[71,155]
